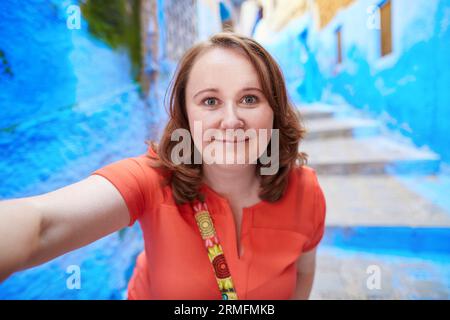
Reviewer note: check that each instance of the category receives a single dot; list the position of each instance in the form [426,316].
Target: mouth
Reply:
[232,141]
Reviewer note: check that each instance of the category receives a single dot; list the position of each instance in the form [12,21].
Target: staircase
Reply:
[361,168]
[346,144]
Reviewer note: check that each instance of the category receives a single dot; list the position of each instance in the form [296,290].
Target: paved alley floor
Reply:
[343,274]
[377,200]
[375,179]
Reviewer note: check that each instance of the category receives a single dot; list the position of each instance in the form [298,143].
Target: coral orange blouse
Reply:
[175,264]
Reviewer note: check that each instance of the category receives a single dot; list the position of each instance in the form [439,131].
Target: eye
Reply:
[250,99]
[209,101]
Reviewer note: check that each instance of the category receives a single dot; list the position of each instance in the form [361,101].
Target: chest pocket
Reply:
[274,252]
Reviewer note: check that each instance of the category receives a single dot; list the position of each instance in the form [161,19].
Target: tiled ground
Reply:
[377,200]
[343,274]
[384,196]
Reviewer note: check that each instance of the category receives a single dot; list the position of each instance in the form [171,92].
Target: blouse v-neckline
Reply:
[244,223]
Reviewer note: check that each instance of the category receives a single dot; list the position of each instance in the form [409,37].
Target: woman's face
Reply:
[224,94]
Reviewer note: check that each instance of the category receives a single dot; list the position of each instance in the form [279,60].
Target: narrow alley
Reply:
[368,78]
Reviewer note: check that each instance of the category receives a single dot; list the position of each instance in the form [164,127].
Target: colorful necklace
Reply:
[215,252]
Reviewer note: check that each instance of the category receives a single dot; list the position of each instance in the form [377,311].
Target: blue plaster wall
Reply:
[66,95]
[424,242]
[37,54]
[68,106]
[295,48]
[408,89]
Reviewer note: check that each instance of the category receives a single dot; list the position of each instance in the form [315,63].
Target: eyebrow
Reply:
[217,90]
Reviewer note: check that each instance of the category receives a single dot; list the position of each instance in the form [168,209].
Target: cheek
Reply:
[265,121]
[262,119]
[193,119]
[199,122]
[196,130]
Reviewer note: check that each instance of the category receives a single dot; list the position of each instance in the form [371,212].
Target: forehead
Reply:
[222,68]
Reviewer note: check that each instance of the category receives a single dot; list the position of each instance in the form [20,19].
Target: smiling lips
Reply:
[231,141]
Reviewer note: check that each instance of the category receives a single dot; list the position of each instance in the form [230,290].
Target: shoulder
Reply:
[138,168]
[135,175]
[305,178]
[308,192]
[147,167]
[303,193]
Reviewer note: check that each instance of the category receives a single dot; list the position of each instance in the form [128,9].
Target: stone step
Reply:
[345,274]
[380,200]
[315,112]
[340,127]
[369,155]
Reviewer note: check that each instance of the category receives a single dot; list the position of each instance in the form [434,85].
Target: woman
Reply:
[241,229]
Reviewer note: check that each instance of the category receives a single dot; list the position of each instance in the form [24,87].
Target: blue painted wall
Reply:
[37,55]
[64,95]
[68,105]
[408,89]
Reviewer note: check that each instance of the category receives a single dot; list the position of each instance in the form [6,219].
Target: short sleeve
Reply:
[319,217]
[131,180]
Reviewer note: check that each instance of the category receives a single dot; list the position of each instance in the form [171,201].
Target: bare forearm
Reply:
[304,286]
[20,227]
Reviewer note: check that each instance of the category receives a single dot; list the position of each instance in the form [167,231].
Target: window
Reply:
[339,45]
[386,28]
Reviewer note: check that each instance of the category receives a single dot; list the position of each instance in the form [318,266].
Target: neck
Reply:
[237,182]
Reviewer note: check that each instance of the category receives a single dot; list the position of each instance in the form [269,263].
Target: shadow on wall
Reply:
[117,23]
[69,105]
[412,96]
[408,88]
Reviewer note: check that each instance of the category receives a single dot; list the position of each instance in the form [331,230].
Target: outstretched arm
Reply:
[34,230]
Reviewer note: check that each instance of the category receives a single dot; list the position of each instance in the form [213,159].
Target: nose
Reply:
[231,119]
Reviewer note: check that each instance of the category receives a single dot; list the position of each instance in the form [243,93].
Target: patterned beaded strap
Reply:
[215,252]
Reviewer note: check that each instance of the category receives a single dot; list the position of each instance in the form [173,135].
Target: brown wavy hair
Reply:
[185,179]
